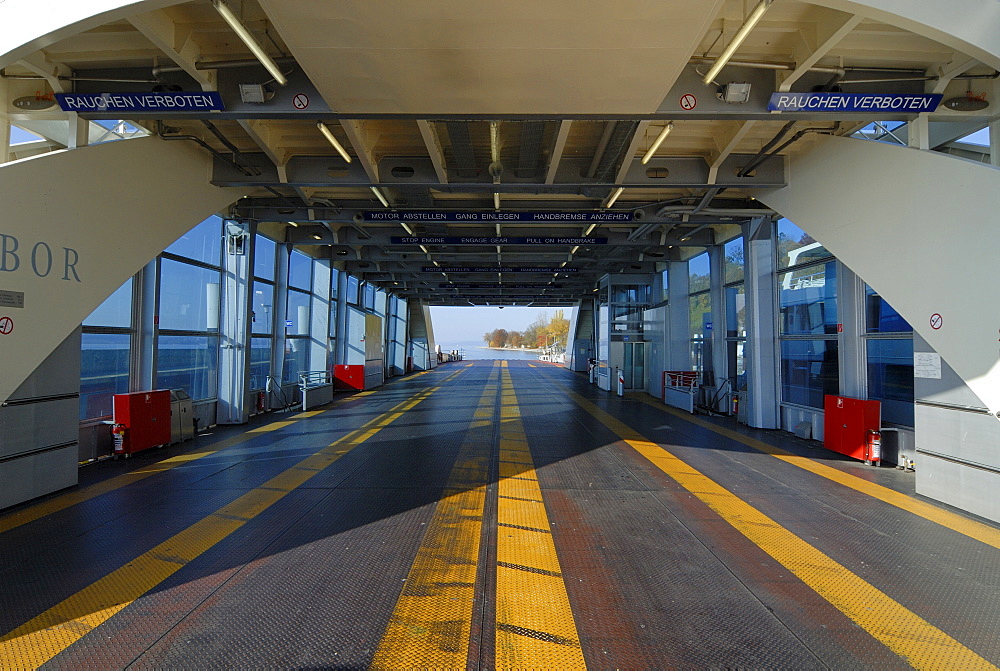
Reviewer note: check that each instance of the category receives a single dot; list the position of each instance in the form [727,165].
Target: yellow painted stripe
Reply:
[921,644]
[953,521]
[432,621]
[308,414]
[273,426]
[42,638]
[535,625]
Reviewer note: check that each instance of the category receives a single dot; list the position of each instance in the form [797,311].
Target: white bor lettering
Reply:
[41,258]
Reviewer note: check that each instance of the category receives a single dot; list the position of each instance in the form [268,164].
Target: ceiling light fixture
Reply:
[614,196]
[424,249]
[496,200]
[573,251]
[657,142]
[755,16]
[328,134]
[293,224]
[590,229]
[317,236]
[248,39]
[380,196]
[406,227]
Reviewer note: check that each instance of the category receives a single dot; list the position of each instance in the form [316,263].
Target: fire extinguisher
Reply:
[736,404]
[874,447]
[118,433]
[260,402]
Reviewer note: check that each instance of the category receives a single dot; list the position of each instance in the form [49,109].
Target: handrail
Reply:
[314,378]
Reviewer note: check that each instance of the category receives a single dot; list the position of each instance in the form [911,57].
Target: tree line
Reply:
[544,331]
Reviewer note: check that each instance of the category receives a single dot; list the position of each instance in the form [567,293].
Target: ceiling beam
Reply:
[727,141]
[829,33]
[179,46]
[433,144]
[359,138]
[557,151]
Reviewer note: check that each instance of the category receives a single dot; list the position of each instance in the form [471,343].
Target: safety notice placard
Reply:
[11,299]
[927,365]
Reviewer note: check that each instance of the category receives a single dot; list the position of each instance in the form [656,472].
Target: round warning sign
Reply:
[688,101]
[6,325]
[301,101]
[936,321]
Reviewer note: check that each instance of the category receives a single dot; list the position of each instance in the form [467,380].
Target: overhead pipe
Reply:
[162,134]
[748,168]
[223,65]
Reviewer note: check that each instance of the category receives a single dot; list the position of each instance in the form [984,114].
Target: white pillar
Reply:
[235,326]
[762,354]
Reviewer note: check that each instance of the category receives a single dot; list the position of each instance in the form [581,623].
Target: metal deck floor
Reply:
[495,514]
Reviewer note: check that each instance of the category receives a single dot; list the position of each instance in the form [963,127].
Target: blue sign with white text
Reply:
[154,101]
[854,102]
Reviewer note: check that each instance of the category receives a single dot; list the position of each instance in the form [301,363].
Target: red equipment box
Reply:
[142,421]
[349,377]
[847,425]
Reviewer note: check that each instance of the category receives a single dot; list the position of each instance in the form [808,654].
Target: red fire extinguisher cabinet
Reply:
[846,423]
[143,418]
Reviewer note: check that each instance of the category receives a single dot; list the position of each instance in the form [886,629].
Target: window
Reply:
[188,362]
[263,262]
[665,279]
[795,246]
[300,271]
[202,243]
[352,290]
[189,297]
[105,353]
[260,362]
[369,297]
[699,274]
[104,370]
[733,260]
[263,307]
[808,300]
[810,369]
[807,321]
[889,352]
[700,324]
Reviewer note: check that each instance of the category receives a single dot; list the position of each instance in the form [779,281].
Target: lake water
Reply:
[481,352]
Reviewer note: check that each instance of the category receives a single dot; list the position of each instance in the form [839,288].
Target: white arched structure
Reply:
[78,223]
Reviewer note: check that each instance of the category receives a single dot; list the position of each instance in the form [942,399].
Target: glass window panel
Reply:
[380,302]
[333,319]
[733,260]
[104,359]
[735,353]
[810,370]
[189,297]
[334,283]
[795,246]
[116,310]
[665,277]
[881,318]
[190,363]
[260,362]
[352,290]
[296,359]
[263,307]
[890,378]
[700,315]
[263,260]
[699,273]
[736,311]
[300,271]
[369,296]
[808,300]
[202,243]
[297,313]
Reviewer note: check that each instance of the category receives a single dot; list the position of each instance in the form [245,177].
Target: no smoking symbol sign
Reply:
[300,101]
[936,321]
[6,325]
[688,101]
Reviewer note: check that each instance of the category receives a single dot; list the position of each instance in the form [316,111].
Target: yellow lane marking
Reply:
[73,498]
[920,643]
[432,621]
[953,521]
[531,365]
[306,415]
[535,625]
[42,638]
[273,426]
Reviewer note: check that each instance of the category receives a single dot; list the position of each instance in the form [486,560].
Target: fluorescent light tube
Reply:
[755,16]
[406,227]
[249,40]
[380,196]
[614,196]
[657,142]
[328,134]
[590,229]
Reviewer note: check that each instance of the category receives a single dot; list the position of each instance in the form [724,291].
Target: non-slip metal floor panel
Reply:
[653,574]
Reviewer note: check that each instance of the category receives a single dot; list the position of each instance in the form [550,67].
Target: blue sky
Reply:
[467,324]
[18,135]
